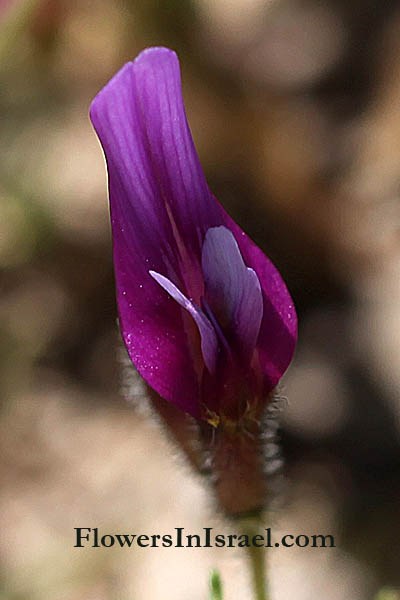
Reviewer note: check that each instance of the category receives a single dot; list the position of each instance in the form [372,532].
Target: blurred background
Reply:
[294,106]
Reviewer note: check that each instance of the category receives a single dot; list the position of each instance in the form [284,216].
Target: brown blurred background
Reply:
[295,110]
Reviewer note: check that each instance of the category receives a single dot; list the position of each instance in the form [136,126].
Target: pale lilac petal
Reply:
[209,343]
[232,290]
[278,331]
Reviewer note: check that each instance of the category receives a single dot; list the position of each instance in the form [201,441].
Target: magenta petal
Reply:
[153,331]
[160,209]
[232,290]
[209,343]
[173,155]
[139,217]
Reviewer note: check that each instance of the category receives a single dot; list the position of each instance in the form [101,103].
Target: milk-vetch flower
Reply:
[205,316]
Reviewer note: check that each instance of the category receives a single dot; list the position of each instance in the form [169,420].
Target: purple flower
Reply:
[206,318]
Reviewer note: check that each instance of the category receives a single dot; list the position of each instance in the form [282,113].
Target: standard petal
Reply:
[209,342]
[232,290]
[174,159]
[160,209]
[151,324]
[137,210]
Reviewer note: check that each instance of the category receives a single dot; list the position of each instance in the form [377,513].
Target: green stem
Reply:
[251,527]
[215,586]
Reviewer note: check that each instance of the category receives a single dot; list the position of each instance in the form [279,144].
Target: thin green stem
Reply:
[215,586]
[251,527]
